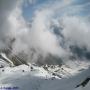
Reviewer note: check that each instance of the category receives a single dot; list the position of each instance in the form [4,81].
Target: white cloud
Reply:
[5,9]
[77,31]
[67,1]
[40,36]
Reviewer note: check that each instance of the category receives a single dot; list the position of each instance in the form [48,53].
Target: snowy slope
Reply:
[38,78]
[5,61]
[47,77]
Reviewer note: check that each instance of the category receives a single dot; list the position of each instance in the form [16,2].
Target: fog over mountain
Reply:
[45,44]
[52,32]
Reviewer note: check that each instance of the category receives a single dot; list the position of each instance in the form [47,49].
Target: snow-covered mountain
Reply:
[4,61]
[13,61]
[37,78]
[46,77]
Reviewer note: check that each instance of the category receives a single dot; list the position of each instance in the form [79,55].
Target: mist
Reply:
[46,36]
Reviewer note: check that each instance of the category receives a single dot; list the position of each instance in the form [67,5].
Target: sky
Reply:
[75,7]
[44,27]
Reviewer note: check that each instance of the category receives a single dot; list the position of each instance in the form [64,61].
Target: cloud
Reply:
[76,30]
[5,8]
[38,37]
[44,38]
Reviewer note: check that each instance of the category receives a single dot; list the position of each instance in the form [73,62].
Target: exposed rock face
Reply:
[84,83]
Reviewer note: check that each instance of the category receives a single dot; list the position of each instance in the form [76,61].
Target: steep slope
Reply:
[5,60]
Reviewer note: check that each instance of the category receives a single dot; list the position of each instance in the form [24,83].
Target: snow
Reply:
[24,77]
[5,57]
[3,63]
[87,87]
[40,79]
